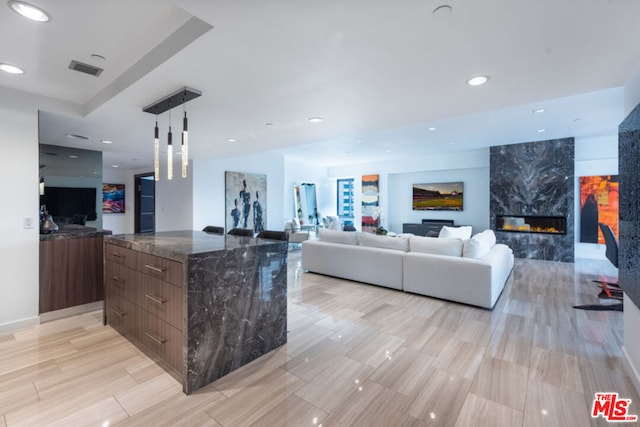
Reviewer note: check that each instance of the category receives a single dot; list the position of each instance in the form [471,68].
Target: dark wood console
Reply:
[427,227]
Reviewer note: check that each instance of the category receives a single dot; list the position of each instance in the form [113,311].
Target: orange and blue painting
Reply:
[370,203]
[112,198]
[598,204]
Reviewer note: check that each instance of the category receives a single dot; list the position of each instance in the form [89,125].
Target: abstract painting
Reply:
[598,204]
[113,198]
[370,203]
[245,199]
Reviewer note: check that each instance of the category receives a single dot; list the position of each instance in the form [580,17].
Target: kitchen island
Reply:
[201,304]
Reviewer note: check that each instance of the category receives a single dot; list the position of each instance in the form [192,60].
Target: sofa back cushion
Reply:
[436,245]
[384,242]
[479,245]
[335,236]
[463,232]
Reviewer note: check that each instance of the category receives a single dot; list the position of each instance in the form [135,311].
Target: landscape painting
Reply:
[442,196]
[598,204]
[245,201]
[113,198]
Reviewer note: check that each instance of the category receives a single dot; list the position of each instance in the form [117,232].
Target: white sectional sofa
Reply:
[471,271]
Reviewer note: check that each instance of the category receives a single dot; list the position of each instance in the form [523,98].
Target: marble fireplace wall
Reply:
[629,221]
[534,178]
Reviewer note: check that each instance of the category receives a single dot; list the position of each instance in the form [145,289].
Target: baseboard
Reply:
[19,324]
[631,369]
[71,311]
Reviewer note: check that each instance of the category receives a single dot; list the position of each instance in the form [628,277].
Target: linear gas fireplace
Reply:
[532,224]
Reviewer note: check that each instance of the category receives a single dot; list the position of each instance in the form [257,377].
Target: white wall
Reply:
[208,188]
[175,201]
[19,246]
[397,177]
[475,204]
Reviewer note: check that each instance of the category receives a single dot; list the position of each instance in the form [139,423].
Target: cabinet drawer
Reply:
[160,268]
[160,298]
[121,315]
[119,255]
[162,339]
[115,277]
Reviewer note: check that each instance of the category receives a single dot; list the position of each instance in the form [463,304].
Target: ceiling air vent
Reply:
[85,68]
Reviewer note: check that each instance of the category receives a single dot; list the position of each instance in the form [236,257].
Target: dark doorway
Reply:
[145,206]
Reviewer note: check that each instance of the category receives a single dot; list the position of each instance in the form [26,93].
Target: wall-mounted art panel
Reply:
[245,198]
[598,204]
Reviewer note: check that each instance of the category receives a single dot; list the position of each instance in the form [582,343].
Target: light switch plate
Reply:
[27,222]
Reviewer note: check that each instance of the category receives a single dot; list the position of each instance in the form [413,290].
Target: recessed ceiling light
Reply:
[115,166]
[72,156]
[538,111]
[577,119]
[29,11]
[316,119]
[76,136]
[97,57]
[106,141]
[452,143]
[359,141]
[11,69]
[268,124]
[477,80]
[232,140]
[541,130]
[432,129]
[388,151]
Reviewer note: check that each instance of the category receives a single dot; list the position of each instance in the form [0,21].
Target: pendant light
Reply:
[156,152]
[169,152]
[180,97]
[185,145]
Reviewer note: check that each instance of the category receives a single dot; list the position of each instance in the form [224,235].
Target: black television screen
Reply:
[70,201]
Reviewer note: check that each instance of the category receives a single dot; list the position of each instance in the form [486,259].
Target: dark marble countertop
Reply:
[74,231]
[180,245]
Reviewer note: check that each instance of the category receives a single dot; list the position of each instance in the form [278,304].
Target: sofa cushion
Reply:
[336,236]
[479,245]
[436,245]
[384,242]
[463,232]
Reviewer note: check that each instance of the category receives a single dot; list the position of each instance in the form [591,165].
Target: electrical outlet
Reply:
[27,222]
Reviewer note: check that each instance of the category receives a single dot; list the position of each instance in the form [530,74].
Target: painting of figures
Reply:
[245,201]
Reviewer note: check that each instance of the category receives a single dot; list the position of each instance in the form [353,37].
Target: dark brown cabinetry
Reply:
[70,272]
[144,301]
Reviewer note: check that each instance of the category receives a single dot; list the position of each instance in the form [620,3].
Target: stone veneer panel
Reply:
[534,178]
[629,228]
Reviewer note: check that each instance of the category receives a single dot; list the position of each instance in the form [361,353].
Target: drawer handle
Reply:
[116,255]
[157,300]
[154,338]
[156,269]
[118,312]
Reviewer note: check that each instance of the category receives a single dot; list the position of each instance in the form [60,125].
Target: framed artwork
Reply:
[113,198]
[598,203]
[245,196]
[441,196]
[370,203]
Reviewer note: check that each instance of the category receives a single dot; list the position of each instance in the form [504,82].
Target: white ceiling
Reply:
[380,73]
